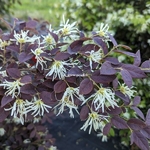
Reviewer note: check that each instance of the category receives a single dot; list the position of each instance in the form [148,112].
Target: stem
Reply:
[20,47]
[4,55]
[115,47]
[67,83]
[93,82]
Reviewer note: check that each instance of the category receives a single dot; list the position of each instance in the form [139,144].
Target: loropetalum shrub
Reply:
[45,70]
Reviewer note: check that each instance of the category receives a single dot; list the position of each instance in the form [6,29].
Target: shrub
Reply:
[45,70]
[5,5]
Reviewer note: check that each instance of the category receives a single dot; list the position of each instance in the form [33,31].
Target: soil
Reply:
[68,136]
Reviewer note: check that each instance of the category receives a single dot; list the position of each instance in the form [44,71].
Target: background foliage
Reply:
[129,19]
[5,6]
[45,10]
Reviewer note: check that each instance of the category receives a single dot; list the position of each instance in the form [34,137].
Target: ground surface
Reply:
[68,136]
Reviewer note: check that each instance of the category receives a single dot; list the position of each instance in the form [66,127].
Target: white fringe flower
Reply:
[37,106]
[104,137]
[3,73]
[67,29]
[13,88]
[72,92]
[39,59]
[58,69]
[36,119]
[17,120]
[23,37]
[4,43]
[103,30]
[127,91]
[18,109]
[103,97]
[2,131]
[94,121]
[95,56]
[48,40]
[65,102]
[53,148]
[26,141]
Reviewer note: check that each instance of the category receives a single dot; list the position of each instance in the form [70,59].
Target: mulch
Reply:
[68,136]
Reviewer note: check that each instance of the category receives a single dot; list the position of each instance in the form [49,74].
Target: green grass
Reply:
[45,10]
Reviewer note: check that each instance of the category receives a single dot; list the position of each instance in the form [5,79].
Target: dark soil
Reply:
[68,136]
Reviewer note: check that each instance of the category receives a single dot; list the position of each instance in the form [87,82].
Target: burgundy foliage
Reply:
[36,68]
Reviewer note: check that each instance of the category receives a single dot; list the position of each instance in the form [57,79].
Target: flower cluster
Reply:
[94,121]
[13,88]
[64,70]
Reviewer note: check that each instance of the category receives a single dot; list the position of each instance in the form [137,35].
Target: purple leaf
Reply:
[33,133]
[107,69]
[45,96]
[112,39]
[103,78]
[28,89]
[75,71]
[102,44]
[4,114]
[119,122]
[107,128]
[112,60]
[146,132]
[71,79]
[13,65]
[137,59]
[26,96]
[48,83]
[84,112]
[134,71]
[26,79]
[136,124]
[75,47]
[60,86]
[115,83]
[86,86]
[136,100]
[13,48]
[139,112]
[122,96]
[88,48]
[5,100]
[30,126]
[24,57]
[2,91]
[55,36]
[146,66]
[139,140]
[61,56]
[114,111]
[82,34]
[148,117]
[13,72]
[31,24]
[41,87]
[54,97]
[126,77]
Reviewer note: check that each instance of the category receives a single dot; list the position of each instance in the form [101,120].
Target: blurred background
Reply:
[129,22]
